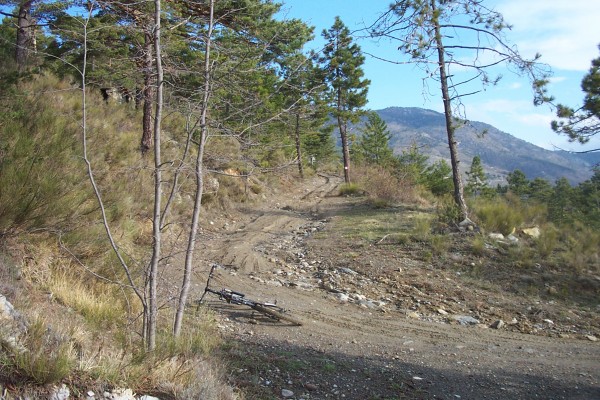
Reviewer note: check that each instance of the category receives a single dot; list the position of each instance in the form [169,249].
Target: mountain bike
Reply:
[271,310]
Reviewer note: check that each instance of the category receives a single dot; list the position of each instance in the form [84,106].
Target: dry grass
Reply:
[48,358]
[99,306]
[384,188]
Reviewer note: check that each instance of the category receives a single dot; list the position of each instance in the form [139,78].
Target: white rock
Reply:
[512,238]
[342,297]
[466,320]
[348,271]
[61,393]
[496,236]
[120,394]
[367,304]
[12,326]
[287,393]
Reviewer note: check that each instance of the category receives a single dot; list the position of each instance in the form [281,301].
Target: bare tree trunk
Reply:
[189,255]
[343,126]
[147,93]
[90,172]
[345,150]
[156,228]
[298,145]
[24,35]
[459,198]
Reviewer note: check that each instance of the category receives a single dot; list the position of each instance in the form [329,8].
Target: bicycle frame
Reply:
[271,310]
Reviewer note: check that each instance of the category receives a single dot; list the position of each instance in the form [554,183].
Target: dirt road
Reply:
[354,347]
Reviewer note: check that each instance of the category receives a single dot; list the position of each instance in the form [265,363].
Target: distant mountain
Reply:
[500,152]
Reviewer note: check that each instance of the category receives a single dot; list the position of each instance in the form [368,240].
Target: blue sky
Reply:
[565,32]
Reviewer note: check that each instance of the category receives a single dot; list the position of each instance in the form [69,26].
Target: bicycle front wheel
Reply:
[276,314]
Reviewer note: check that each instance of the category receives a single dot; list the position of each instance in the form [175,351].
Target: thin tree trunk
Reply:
[147,93]
[298,146]
[345,150]
[343,127]
[189,255]
[90,172]
[450,129]
[24,35]
[156,229]
[175,185]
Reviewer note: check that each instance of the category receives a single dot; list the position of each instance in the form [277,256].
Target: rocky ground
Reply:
[387,318]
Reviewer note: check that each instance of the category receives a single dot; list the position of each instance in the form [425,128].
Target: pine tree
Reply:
[412,164]
[541,190]
[373,147]
[476,179]
[439,35]
[561,205]
[342,61]
[438,178]
[581,124]
[518,183]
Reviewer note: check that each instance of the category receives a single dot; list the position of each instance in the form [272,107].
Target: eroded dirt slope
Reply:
[380,325]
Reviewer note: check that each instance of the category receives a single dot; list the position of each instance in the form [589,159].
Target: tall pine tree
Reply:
[342,62]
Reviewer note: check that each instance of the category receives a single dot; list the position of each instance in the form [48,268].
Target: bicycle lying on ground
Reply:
[270,310]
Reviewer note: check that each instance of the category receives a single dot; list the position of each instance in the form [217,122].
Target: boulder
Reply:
[532,232]
[496,236]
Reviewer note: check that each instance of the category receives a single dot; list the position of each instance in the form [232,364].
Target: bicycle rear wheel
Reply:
[276,314]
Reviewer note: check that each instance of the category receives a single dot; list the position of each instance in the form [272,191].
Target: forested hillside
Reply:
[124,124]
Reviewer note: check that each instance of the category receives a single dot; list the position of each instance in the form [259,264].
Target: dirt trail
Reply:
[347,351]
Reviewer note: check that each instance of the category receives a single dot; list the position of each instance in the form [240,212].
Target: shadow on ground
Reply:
[262,368]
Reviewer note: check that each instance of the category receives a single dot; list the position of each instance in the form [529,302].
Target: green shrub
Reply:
[350,189]
[582,245]
[447,211]
[198,340]
[521,256]
[40,175]
[547,242]
[422,228]
[498,216]
[478,245]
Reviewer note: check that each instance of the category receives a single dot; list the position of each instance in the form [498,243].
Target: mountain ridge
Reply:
[500,152]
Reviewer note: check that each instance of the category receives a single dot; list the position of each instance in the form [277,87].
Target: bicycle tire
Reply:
[278,315]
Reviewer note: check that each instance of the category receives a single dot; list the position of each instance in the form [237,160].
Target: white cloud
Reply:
[565,32]
[558,79]
[498,106]
[535,119]
[515,85]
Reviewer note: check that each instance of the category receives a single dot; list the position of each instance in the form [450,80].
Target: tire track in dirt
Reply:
[453,361]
